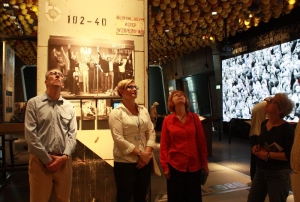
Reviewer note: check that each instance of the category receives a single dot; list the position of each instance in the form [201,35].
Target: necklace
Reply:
[181,117]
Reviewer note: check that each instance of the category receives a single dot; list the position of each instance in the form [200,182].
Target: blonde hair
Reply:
[123,85]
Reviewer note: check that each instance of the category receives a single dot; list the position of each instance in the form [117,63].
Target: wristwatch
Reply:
[139,154]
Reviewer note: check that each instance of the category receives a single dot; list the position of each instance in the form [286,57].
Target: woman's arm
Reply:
[201,143]
[150,132]
[277,156]
[288,139]
[164,145]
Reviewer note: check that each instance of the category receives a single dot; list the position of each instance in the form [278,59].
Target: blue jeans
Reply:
[275,183]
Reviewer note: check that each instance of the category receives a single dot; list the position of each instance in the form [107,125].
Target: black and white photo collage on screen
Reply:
[91,67]
[250,78]
[92,109]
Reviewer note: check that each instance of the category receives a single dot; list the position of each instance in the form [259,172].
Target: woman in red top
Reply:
[179,155]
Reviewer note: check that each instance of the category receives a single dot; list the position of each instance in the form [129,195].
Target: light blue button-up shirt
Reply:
[50,127]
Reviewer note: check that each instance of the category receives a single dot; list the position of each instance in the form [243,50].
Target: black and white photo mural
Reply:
[250,78]
[91,67]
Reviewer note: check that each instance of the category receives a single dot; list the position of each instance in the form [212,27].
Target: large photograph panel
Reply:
[92,67]
[250,78]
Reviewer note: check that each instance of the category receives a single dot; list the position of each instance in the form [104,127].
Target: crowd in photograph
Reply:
[92,70]
[252,77]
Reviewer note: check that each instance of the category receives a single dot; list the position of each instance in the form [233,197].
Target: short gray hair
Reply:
[47,73]
[285,104]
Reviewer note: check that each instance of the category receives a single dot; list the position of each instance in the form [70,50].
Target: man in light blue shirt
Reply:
[50,132]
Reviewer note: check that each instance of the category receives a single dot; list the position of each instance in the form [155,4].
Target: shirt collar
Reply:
[45,97]
[121,105]
[174,116]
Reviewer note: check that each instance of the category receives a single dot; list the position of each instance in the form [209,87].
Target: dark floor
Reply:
[235,155]
[17,186]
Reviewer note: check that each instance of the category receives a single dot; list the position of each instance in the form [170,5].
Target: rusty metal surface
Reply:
[93,178]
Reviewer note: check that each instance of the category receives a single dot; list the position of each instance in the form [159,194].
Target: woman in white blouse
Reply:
[134,139]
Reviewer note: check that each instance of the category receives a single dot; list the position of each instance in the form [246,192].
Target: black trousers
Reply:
[184,186]
[253,158]
[131,181]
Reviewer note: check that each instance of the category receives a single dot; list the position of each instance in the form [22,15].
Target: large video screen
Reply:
[249,78]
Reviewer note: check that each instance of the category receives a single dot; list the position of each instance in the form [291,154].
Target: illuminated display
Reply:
[249,78]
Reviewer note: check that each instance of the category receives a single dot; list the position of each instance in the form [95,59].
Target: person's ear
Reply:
[62,83]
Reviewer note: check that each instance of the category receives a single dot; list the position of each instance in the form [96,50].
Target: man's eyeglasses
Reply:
[132,87]
[56,73]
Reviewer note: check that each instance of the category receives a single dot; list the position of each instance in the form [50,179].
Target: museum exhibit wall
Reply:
[67,31]
[95,43]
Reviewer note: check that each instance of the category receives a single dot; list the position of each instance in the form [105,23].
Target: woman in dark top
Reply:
[272,175]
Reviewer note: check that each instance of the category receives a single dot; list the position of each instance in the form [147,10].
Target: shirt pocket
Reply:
[65,119]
